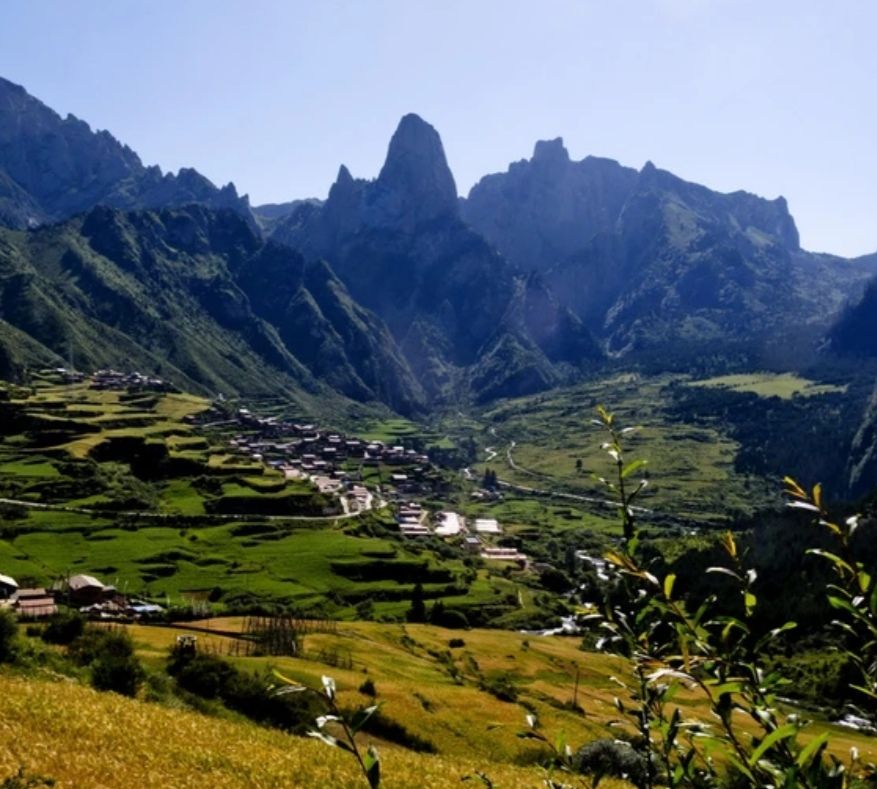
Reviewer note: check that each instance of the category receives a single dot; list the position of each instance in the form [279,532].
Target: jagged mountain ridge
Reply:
[52,168]
[180,292]
[399,244]
[653,263]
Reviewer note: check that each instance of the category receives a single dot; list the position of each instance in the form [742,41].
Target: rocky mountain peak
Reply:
[415,184]
[550,151]
[344,177]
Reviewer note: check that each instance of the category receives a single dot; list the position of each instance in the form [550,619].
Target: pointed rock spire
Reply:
[415,183]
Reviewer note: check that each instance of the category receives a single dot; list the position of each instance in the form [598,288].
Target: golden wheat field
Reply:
[82,738]
[438,692]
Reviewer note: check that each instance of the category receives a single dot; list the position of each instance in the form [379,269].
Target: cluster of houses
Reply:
[306,447]
[83,592]
[106,380]
[414,521]
[302,451]
[113,380]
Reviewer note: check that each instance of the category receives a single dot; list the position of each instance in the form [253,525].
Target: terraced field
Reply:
[123,486]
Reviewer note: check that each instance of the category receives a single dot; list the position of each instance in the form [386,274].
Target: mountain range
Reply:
[395,289]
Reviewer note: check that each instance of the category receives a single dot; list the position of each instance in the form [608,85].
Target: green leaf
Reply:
[668,585]
[765,640]
[811,750]
[362,717]
[842,605]
[833,558]
[750,601]
[372,767]
[726,687]
[632,467]
[782,733]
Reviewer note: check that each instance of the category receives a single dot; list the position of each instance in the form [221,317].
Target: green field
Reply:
[782,385]
[547,442]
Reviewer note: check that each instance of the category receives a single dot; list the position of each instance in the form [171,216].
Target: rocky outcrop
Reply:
[543,210]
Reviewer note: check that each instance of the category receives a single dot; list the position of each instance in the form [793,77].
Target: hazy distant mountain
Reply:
[195,295]
[653,263]
[52,168]
[451,300]
[269,214]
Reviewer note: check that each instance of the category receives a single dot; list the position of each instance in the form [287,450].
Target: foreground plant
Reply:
[853,596]
[346,730]
[721,657]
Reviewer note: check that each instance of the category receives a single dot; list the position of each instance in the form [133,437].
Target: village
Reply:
[360,474]
[333,462]
[87,594]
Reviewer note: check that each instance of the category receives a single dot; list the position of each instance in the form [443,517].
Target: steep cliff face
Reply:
[547,208]
[855,333]
[863,454]
[52,168]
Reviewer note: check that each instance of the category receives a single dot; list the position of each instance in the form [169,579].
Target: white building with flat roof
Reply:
[450,524]
[487,526]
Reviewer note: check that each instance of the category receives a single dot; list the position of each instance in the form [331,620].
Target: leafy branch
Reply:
[346,730]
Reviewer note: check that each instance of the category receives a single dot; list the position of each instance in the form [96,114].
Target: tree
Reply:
[8,632]
[417,612]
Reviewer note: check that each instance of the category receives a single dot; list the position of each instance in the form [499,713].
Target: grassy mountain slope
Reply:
[191,294]
[134,743]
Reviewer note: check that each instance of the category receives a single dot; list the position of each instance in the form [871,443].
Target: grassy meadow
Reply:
[782,385]
[547,441]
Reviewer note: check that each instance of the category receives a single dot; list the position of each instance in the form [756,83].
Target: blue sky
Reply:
[771,96]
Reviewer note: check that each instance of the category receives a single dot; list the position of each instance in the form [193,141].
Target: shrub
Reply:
[64,628]
[393,731]
[452,619]
[97,642]
[368,688]
[211,677]
[110,654]
[502,687]
[611,758]
[24,780]
[8,633]
[456,643]
[118,674]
